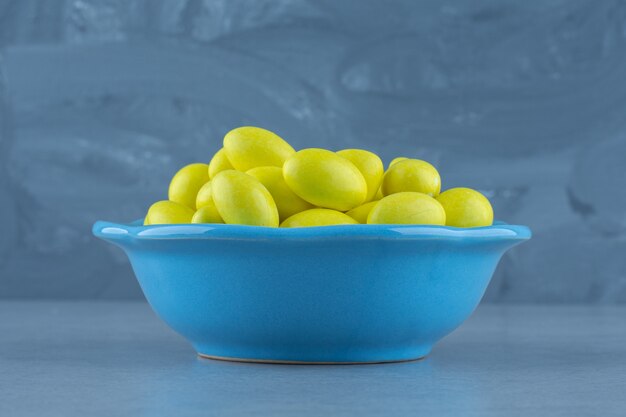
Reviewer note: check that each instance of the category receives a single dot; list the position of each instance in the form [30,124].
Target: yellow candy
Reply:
[249,147]
[360,213]
[412,175]
[168,212]
[466,208]
[379,194]
[219,163]
[318,217]
[325,179]
[407,208]
[206,209]
[242,199]
[186,183]
[396,160]
[369,164]
[287,202]
[204,196]
[207,214]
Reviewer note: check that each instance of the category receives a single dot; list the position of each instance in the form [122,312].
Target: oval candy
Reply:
[318,217]
[168,212]
[186,183]
[248,147]
[242,199]
[370,166]
[407,207]
[411,175]
[325,179]
[219,163]
[466,208]
[287,202]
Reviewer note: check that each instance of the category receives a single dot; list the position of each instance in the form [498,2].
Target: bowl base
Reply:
[289,362]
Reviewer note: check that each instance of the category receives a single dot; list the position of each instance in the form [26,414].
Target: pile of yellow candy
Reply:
[258,179]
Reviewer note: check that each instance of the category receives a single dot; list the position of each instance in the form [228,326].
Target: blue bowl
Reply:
[334,294]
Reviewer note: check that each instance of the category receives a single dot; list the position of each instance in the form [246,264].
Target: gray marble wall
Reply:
[101,101]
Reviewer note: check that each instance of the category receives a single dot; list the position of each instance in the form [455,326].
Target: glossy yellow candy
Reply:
[412,175]
[206,209]
[361,212]
[407,208]
[207,214]
[249,147]
[287,202]
[325,179]
[242,199]
[379,194]
[219,163]
[186,183]
[318,217]
[204,196]
[168,212]
[369,164]
[396,160]
[466,208]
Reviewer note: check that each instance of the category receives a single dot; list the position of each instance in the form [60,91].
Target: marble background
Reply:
[101,101]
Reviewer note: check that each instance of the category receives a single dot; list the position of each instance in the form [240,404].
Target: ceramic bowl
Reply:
[334,294]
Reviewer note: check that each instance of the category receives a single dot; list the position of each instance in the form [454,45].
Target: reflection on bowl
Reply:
[333,294]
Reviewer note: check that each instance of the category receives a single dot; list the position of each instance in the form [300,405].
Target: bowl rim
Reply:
[137,231]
